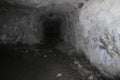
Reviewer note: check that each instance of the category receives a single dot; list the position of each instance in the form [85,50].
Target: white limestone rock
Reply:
[99,35]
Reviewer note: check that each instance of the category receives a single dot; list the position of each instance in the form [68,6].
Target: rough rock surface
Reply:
[39,3]
[99,35]
[25,24]
[94,29]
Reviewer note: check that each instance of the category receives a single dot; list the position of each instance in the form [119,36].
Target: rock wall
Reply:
[99,35]
[94,29]
[40,3]
[24,23]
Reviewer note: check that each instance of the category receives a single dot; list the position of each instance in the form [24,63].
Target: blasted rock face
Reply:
[24,23]
[39,3]
[99,35]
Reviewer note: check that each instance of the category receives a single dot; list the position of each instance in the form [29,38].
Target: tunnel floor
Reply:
[43,62]
[50,64]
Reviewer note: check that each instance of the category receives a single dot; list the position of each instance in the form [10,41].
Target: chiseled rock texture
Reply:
[22,20]
[99,35]
[39,3]
[91,26]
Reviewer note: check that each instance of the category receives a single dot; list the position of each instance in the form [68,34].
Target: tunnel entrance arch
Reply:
[52,29]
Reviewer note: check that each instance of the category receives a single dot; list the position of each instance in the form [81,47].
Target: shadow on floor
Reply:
[51,64]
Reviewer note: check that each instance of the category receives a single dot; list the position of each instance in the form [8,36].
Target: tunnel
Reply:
[27,25]
[32,42]
[52,29]
[59,39]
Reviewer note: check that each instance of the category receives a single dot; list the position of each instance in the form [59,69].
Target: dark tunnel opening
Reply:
[52,29]
[25,57]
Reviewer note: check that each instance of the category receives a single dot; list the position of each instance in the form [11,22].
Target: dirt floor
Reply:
[45,62]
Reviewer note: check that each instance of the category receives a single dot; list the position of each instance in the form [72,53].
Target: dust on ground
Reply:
[45,62]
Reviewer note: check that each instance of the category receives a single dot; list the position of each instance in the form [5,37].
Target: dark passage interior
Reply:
[35,63]
[52,29]
[55,60]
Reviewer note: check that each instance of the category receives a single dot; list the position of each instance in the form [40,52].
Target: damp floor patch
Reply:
[44,62]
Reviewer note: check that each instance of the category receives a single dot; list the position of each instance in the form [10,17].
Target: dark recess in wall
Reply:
[52,29]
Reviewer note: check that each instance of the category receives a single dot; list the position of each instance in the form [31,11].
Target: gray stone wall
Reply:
[94,29]
[24,23]
[40,3]
[99,35]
